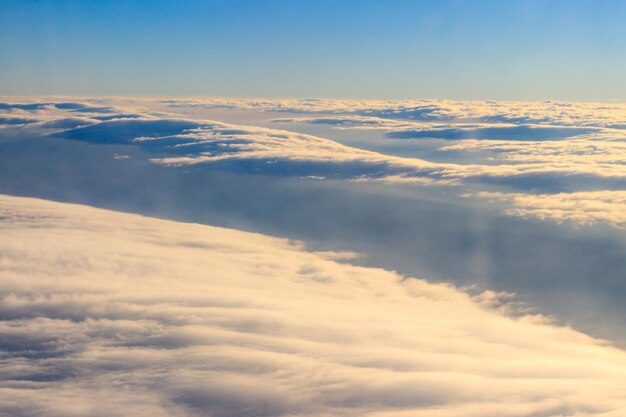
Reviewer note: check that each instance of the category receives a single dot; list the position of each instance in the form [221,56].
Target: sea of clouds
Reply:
[113,314]
[513,212]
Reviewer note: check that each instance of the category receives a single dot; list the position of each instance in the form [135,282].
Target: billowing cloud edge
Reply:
[175,319]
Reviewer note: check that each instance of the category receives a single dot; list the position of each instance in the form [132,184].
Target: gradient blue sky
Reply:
[521,50]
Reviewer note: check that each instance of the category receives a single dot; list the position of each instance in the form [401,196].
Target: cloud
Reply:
[179,142]
[583,208]
[515,132]
[16,120]
[589,151]
[344,121]
[188,320]
[48,105]
[450,131]
[184,142]
[67,123]
[574,147]
[610,115]
[123,130]
[557,113]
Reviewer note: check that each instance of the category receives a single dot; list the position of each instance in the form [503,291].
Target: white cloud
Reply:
[578,151]
[111,314]
[584,208]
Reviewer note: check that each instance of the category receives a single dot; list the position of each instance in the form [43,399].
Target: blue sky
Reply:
[520,50]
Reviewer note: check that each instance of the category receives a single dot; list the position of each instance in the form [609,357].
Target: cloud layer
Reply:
[175,319]
[183,141]
[546,147]
[610,115]
[404,129]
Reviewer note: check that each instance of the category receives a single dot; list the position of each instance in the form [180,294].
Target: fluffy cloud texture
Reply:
[111,314]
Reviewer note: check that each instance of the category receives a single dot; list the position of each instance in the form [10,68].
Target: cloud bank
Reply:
[173,319]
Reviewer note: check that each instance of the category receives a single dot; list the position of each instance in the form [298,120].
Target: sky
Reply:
[501,50]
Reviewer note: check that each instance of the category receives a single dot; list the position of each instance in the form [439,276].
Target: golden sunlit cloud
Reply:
[174,319]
